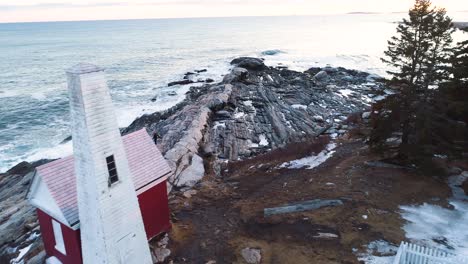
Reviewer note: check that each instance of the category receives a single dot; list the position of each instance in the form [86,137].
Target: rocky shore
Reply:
[253,110]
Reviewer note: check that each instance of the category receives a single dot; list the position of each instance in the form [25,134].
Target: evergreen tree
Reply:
[421,49]
[419,55]
[459,62]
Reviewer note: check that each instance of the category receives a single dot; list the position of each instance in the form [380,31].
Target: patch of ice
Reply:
[346,92]
[311,161]
[389,92]
[326,235]
[219,124]
[269,78]
[22,253]
[263,140]
[379,252]
[299,106]
[33,236]
[251,144]
[379,98]
[239,115]
[435,226]
[193,173]
[288,123]
[248,103]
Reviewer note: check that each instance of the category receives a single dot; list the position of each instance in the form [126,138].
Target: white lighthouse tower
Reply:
[110,219]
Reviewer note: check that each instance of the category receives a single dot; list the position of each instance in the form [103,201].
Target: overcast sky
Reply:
[58,10]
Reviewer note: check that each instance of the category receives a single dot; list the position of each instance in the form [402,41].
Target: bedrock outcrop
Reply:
[255,109]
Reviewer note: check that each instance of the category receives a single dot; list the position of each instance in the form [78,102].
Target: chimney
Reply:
[110,219]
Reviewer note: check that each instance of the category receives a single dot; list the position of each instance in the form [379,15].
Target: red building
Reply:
[53,193]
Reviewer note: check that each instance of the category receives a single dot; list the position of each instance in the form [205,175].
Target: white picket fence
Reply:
[413,254]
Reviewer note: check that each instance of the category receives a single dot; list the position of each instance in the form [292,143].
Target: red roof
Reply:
[146,163]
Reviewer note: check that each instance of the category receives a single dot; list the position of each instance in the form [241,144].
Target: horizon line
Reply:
[211,17]
[200,17]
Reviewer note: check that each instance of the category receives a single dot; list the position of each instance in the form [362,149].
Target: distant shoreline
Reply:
[461,25]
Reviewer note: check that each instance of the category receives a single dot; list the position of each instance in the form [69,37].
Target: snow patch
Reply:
[263,141]
[299,106]
[379,252]
[239,115]
[218,125]
[346,92]
[311,161]
[435,226]
[22,253]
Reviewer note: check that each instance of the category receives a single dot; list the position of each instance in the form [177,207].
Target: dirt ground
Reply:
[226,214]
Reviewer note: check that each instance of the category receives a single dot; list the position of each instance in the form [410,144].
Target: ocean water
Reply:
[142,56]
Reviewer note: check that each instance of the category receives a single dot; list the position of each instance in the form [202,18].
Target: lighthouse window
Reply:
[111,168]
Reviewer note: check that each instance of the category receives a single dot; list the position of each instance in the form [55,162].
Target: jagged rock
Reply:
[249,63]
[318,118]
[164,241]
[237,75]
[189,193]
[38,259]
[21,169]
[183,82]
[161,254]
[223,114]
[348,78]
[200,71]
[188,75]
[373,77]
[251,255]
[366,115]
[251,112]
[330,69]
[322,76]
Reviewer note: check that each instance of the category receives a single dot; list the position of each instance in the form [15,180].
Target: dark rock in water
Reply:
[172,93]
[209,80]
[187,75]
[154,99]
[314,70]
[330,69]
[249,63]
[200,71]
[271,52]
[21,168]
[184,82]
[66,140]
